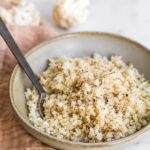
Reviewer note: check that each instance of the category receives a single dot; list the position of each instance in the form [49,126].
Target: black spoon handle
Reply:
[19,56]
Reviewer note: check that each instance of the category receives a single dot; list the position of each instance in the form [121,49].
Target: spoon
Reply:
[6,35]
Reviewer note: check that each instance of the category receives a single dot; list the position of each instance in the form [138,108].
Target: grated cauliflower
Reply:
[70,13]
[92,99]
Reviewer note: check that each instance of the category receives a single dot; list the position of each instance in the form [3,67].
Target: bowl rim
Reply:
[63,141]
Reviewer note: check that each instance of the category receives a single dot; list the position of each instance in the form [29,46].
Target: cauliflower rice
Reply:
[92,99]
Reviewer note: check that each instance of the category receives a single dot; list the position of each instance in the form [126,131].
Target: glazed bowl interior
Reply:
[74,45]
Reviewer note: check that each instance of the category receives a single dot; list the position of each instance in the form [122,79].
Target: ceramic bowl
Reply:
[76,45]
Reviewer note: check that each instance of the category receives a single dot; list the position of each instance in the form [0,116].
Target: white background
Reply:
[130,18]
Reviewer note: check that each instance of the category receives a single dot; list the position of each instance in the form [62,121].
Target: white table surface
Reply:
[130,18]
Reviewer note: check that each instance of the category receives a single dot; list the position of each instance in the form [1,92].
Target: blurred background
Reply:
[130,18]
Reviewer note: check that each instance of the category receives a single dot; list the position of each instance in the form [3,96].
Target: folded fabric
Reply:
[12,135]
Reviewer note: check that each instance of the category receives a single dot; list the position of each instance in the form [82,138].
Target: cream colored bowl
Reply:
[74,45]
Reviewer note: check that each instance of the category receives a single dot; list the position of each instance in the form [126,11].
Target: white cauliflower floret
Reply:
[70,13]
[22,14]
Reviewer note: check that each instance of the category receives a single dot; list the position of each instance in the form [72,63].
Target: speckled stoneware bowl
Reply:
[76,45]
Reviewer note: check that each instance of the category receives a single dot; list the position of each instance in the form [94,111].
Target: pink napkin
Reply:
[12,135]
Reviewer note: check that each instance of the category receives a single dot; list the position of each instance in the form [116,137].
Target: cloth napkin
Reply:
[12,135]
